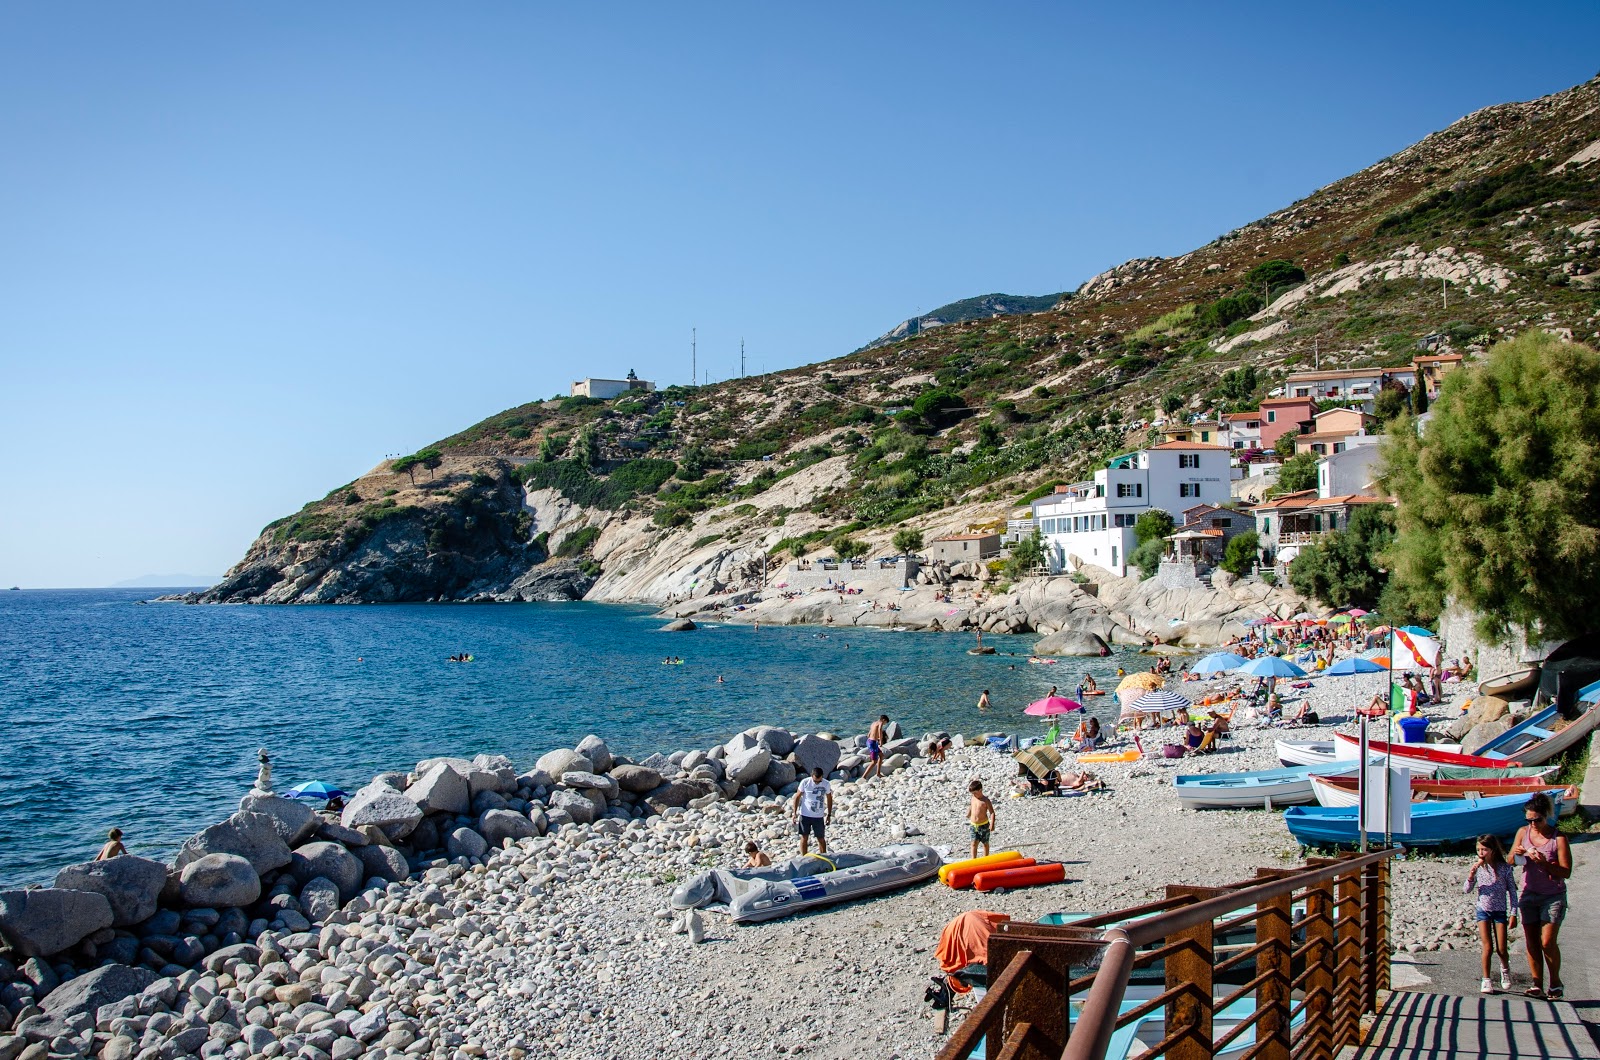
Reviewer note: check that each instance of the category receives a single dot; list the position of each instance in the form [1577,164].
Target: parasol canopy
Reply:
[1271,666]
[1040,760]
[1145,680]
[1346,667]
[1161,701]
[1051,705]
[1219,662]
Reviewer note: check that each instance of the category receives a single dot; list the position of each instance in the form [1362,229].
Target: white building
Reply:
[1352,470]
[1092,522]
[1349,384]
[606,389]
[1244,429]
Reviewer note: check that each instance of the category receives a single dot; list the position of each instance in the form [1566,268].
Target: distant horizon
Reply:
[255,252]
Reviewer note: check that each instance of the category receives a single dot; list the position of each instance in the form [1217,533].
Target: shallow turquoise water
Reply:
[149,716]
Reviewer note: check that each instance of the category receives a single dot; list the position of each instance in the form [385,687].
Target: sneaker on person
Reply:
[1505,978]
[1486,987]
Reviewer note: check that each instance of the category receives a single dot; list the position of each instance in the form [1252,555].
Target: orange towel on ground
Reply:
[964,941]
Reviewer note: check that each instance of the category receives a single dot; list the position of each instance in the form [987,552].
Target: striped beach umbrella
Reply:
[1161,701]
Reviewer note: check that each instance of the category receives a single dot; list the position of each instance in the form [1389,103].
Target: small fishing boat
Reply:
[799,884]
[1323,752]
[1409,754]
[1513,685]
[1269,788]
[1541,738]
[1432,823]
[1343,790]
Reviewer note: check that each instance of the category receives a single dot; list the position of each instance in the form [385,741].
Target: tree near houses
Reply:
[1499,496]
[908,542]
[1239,557]
[1344,569]
[1298,473]
[1151,531]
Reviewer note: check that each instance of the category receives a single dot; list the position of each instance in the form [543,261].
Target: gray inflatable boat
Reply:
[793,886]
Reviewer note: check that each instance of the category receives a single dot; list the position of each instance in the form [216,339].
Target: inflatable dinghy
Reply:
[799,884]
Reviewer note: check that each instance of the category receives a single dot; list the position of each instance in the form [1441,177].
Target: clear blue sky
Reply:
[248,249]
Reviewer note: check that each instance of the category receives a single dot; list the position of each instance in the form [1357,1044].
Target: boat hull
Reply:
[1266,788]
[1432,823]
[1339,790]
[800,884]
[1511,685]
[1410,754]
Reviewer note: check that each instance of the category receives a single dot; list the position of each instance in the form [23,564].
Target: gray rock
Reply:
[562,761]
[244,951]
[556,818]
[220,880]
[370,1024]
[574,804]
[131,884]
[637,779]
[742,742]
[294,819]
[334,832]
[320,899]
[679,625]
[441,790]
[484,801]
[460,765]
[256,1038]
[1071,642]
[1482,734]
[330,861]
[591,781]
[895,763]
[383,863]
[252,836]
[676,794]
[485,782]
[384,807]
[595,750]
[465,843]
[892,731]
[908,747]
[779,773]
[779,741]
[749,765]
[816,752]
[500,825]
[47,920]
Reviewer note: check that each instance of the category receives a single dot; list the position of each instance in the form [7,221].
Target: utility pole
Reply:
[1444,291]
[694,365]
[1316,348]
[741,358]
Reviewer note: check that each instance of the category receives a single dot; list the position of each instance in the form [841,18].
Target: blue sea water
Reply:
[148,716]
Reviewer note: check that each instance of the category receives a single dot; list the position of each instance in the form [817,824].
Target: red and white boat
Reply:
[1440,754]
[1343,790]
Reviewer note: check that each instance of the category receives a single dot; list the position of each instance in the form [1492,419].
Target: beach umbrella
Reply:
[1304,616]
[1340,620]
[1417,631]
[1039,760]
[1379,630]
[1258,622]
[1145,680]
[1271,666]
[1358,665]
[314,789]
[1219,662]
[1161,700]
[1357,612]
[1052,705]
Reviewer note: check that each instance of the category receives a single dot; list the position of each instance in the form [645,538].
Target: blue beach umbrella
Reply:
[1219,662]
[1271,666]
[1380,652]
[1417,631]
[314,789]
[1346,667]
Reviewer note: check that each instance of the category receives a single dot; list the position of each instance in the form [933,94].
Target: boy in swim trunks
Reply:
[875,737]
[980,817]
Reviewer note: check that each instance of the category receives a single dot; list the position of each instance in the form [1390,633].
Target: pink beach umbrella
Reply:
[1051,705]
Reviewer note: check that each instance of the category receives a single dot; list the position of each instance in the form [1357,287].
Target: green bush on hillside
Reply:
[574,479]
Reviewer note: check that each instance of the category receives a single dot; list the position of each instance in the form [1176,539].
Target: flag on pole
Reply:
[1413,652]
[1401,698]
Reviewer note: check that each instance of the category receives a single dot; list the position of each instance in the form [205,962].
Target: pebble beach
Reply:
[554,937]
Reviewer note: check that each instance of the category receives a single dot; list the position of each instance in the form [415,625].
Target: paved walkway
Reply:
[1426,1026]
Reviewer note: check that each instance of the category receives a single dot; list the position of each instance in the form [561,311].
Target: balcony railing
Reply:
[1305,954]
[1302,537]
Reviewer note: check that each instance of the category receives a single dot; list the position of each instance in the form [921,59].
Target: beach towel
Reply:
[964,941]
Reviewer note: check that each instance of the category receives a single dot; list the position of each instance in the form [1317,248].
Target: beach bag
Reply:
[1172,750]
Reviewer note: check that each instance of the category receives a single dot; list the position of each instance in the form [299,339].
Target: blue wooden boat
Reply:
[1263,787]
[1432,823]
[1536,740]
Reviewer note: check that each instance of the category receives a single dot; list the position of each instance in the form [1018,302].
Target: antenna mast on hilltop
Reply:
[741,358]
[694,367]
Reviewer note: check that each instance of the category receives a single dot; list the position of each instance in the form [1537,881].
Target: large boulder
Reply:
[47,920]
[499,825]
[499,766]
[779,741]
[779,774]
[679,625]
[816,752]
[382,863]
[910,747]
[747,766]
[105,985]
[331,861]
[637,779]
[219,881]
[131,884]
[575,804]
[465,843]
[1482,709]
[607,786]
[293,819]
[595,750]
[441,790]
[252,836]
[1071,642]
[319,899]
[1482,734]
[383,807]
[562,761]
[673,794]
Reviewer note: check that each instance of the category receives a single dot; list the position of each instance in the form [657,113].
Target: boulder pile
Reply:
[274,932]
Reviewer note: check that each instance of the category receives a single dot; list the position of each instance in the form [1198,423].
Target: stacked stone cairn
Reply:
[285,932]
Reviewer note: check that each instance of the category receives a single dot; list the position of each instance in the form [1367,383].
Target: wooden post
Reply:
[1275,994]
[1191,966]
[1319,970]
[1347,998]
[1374,935]
[1040,999]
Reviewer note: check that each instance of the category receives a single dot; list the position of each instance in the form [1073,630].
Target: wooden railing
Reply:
[1314,960]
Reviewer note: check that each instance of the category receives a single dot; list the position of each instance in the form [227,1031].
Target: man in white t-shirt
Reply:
[812,809]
